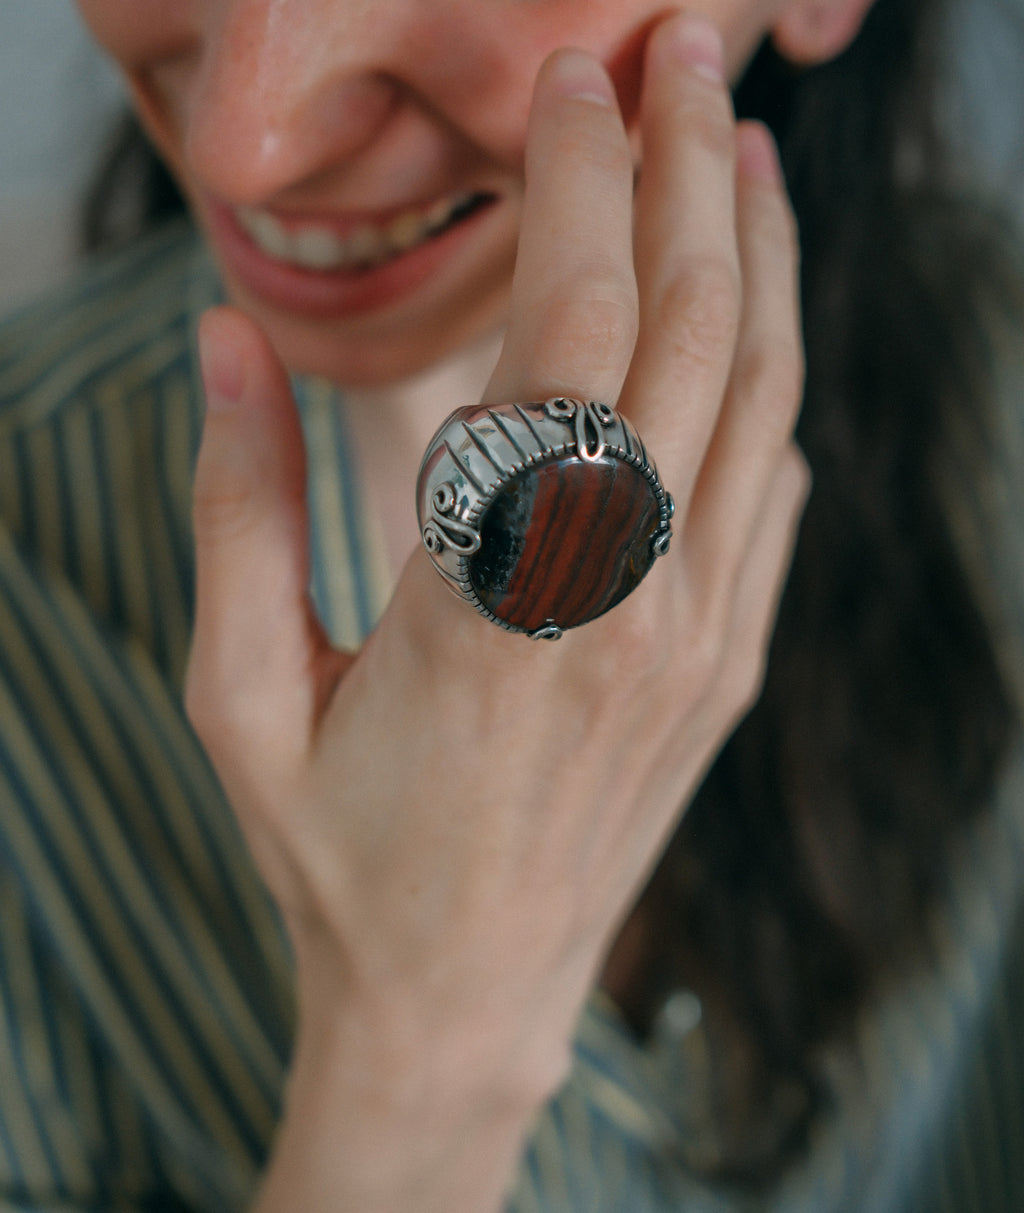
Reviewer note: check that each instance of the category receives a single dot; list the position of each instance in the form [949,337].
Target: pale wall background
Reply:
[57,101]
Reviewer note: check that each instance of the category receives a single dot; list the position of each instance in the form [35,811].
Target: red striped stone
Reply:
[565,541]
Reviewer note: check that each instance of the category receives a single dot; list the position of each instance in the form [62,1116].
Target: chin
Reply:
[369,355]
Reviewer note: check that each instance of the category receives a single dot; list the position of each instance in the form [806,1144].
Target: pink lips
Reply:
[326,292]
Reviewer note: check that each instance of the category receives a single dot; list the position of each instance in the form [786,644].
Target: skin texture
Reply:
[321,108]
[452,893]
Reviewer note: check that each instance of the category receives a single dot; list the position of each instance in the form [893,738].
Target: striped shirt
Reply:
[146,1010]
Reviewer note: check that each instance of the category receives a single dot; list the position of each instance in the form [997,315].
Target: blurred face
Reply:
[357,166]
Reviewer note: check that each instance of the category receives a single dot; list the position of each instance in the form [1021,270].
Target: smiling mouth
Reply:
[319,247]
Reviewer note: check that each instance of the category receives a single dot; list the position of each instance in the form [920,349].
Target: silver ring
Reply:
[542,516]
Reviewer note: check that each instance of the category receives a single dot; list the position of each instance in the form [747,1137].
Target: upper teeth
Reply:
[318,247]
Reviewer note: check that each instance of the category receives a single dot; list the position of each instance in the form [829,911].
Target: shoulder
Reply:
[123,320]
[100,409]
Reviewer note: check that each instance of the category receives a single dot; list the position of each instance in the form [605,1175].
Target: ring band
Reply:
[542,516]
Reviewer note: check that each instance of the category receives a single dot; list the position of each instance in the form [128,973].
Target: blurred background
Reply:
[59,101]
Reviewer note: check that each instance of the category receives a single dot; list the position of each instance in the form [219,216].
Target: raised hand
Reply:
[455,822]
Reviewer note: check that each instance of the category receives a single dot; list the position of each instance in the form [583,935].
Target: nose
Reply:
[286,88]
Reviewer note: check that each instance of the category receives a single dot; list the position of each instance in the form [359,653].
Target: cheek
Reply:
[154,45]
[134,32]
[488,88]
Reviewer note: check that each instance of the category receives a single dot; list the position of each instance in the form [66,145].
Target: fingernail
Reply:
[581,77]
[221,365]
[697,43]
[756,153]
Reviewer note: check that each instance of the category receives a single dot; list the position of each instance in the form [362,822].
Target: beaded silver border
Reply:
[479,449]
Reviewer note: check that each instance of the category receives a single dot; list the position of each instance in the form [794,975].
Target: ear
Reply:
[807,32]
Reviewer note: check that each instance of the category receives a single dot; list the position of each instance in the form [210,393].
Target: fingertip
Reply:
[251,448]
[221,358]
[578,76]
[693,41]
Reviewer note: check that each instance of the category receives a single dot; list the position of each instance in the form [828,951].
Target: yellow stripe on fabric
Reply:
[155,586]
[130,547]
[129,347]
[604,1157]
[31,1017]
[83,484]
[84,1099]
[44,505]
[86,677]
[10,485]
[245,1031]
[631,1110]
[133,966]
[178,752]
[61,347]
[28,1155]
[134,1174]
[106,409]
[190,1133]
[176,415]
[549,1157]
[199,949]
[327,501]
[173,415]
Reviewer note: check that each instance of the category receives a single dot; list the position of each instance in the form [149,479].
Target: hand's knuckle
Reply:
[698,310]
[641,646]
[770,375]
[588,322]
[711,128]
[774,225]
[601,146]
[221,510]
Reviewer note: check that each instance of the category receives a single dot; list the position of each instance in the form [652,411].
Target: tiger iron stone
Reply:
[543,515]
[564,541]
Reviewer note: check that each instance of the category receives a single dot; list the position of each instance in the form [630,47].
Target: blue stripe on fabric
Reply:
[179,537]
[246,1130]
[13,1168]
[49,1024]
[99,1064]
[24,464]
[138,1022]
[14,1030]
[81,910]
[355,523]
[100,297]
[274,1031]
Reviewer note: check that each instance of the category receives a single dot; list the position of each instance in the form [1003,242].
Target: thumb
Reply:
[256,645]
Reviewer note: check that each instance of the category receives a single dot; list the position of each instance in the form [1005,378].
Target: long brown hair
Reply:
[805,865]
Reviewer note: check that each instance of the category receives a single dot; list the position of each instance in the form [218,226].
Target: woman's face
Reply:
[358,166]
